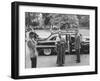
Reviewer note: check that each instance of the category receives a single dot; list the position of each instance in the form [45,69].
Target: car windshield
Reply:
[53,38]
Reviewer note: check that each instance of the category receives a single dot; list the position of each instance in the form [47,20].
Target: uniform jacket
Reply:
[32,47]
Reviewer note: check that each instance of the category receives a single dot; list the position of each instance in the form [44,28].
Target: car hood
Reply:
[85,39]
[42,39]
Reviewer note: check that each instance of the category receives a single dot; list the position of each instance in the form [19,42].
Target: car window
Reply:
[87,39]
[53,38]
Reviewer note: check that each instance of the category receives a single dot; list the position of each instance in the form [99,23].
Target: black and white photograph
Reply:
[51,40]
[54,40]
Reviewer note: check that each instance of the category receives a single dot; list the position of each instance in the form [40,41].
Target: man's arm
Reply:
[30,44]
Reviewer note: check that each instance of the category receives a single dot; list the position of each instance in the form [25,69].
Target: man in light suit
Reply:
[60,47]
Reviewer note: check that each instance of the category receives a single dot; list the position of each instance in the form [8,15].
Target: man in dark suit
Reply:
[77,46]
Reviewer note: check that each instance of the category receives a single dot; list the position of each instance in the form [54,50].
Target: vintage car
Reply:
[85,44]
[47,46]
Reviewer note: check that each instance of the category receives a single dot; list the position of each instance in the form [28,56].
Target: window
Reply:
[53,38]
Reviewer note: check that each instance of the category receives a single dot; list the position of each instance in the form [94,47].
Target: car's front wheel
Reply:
[47,51]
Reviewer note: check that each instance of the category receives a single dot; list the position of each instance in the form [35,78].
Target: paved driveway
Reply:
[50,61]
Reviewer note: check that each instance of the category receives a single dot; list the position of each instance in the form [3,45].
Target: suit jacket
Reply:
[77,42]
[61,53]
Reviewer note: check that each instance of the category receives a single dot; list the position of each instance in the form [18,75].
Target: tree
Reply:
[83,20]
[46,18]
[64,21]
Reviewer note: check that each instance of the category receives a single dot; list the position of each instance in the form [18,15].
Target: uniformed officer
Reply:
[32,49]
